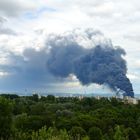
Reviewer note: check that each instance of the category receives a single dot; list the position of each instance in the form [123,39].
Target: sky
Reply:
[29,26]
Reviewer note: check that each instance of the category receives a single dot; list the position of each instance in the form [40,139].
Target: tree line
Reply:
[67,118]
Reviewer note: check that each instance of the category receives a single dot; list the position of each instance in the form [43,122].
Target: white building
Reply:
[129,100]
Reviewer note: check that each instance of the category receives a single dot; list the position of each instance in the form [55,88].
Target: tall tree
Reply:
[6,107]
[118,134]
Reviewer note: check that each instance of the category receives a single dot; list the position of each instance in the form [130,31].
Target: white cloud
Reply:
[15,7]
[133,76]
[3,74]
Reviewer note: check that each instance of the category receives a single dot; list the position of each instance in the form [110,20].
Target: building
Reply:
[130,100]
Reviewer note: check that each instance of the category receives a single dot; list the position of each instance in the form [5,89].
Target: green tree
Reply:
[118,134]
[51,98]
[95,133]
[131,134]
[35,97]
[6,107]
[77,132]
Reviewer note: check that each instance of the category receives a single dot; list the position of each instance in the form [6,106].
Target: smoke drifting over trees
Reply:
[99,62]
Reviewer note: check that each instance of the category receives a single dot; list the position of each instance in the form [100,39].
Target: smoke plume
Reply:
[91,58]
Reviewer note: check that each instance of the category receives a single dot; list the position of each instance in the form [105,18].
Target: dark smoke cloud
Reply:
[87,54]
[101,63]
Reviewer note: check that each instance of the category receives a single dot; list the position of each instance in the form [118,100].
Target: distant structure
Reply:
[98,97]
[126,99]
[130,100]
[80,97]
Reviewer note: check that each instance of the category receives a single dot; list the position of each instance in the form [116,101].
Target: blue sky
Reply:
[26,25]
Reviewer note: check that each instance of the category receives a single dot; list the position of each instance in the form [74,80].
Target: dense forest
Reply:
[67,118]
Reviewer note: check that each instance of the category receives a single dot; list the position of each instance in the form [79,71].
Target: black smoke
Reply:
[100,63]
